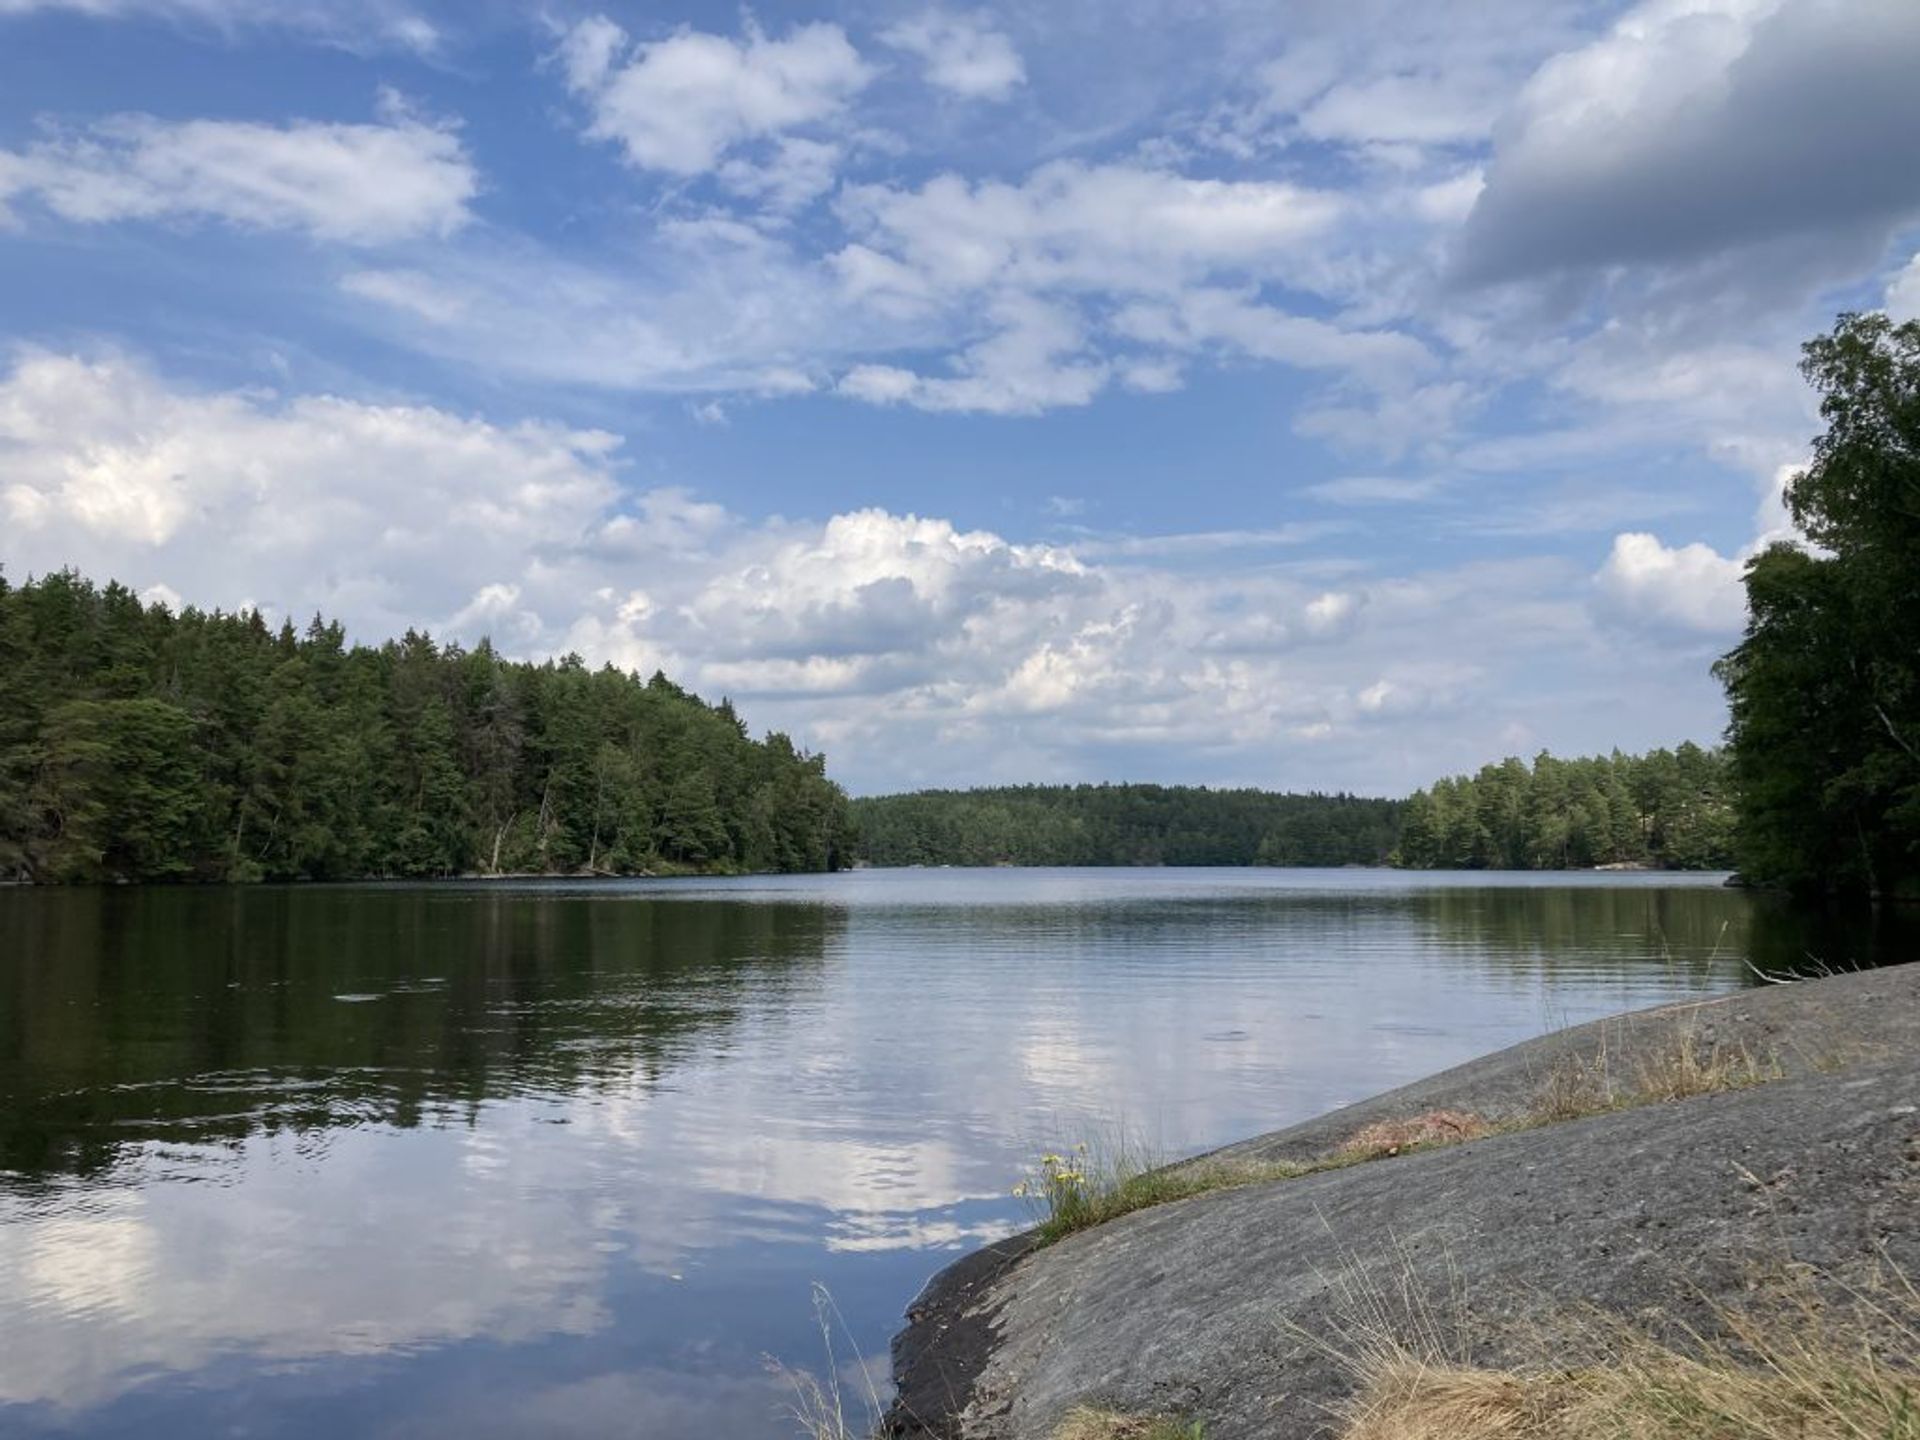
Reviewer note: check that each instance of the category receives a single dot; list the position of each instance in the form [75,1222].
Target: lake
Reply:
[555,1159]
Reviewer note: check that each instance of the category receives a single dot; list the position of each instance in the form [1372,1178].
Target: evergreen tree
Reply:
[1824,688]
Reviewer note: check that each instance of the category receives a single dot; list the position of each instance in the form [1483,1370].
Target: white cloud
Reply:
[796,173]
[1374,489]
[1903,292]
[682,103]
[713,306]
[1203,317]
[363,184]
[1037,360]
[391,514]
[1691,587]
[1081,227]
[356,25]
[1450,201]
[1088,274]
[1392,87]
[1027,297]
[965,54]
[1420,107]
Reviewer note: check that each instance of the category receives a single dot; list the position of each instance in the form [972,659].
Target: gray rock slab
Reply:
[1233,1307]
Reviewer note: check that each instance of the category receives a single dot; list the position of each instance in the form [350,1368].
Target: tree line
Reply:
[137,744]
[1668,809]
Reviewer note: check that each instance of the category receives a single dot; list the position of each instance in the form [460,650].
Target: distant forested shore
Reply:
[141,745]
[1669,809]
[1122,825]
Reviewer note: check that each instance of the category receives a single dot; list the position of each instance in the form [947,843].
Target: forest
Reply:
[1122,825]
[1668,810]
[139,745]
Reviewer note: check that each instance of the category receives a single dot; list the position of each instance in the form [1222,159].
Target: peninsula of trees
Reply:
[136,744]
[1667,810]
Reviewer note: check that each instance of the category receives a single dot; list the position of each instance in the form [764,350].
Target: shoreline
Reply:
[481,878]
[1655,1207]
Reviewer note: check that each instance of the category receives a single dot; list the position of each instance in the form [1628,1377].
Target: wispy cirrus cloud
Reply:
[364,184]
[357,25]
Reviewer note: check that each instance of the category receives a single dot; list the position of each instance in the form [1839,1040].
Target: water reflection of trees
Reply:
[1580,924]
[1530,927]
[209,1015]
[1683,926]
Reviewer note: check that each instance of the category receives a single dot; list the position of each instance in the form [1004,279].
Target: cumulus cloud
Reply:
[1691,587]
[391,514]
[1692,127]
[362,184]
[680,104]
[965,54]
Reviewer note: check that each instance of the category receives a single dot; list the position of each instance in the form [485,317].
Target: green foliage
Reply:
[140,745]
[1824,688]
[1123,825]
[1668,809]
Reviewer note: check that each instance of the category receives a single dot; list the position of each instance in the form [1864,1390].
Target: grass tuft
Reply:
[1087,1187]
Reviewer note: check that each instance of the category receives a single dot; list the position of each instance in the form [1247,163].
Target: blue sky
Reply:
[1304,395]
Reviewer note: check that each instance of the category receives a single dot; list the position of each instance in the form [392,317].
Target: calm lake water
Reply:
[565,1160]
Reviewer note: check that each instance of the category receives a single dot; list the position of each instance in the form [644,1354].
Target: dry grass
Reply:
[1091,1424]
[1795,1368]
[821,1409]
[1386,1138]
[1683,1065]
